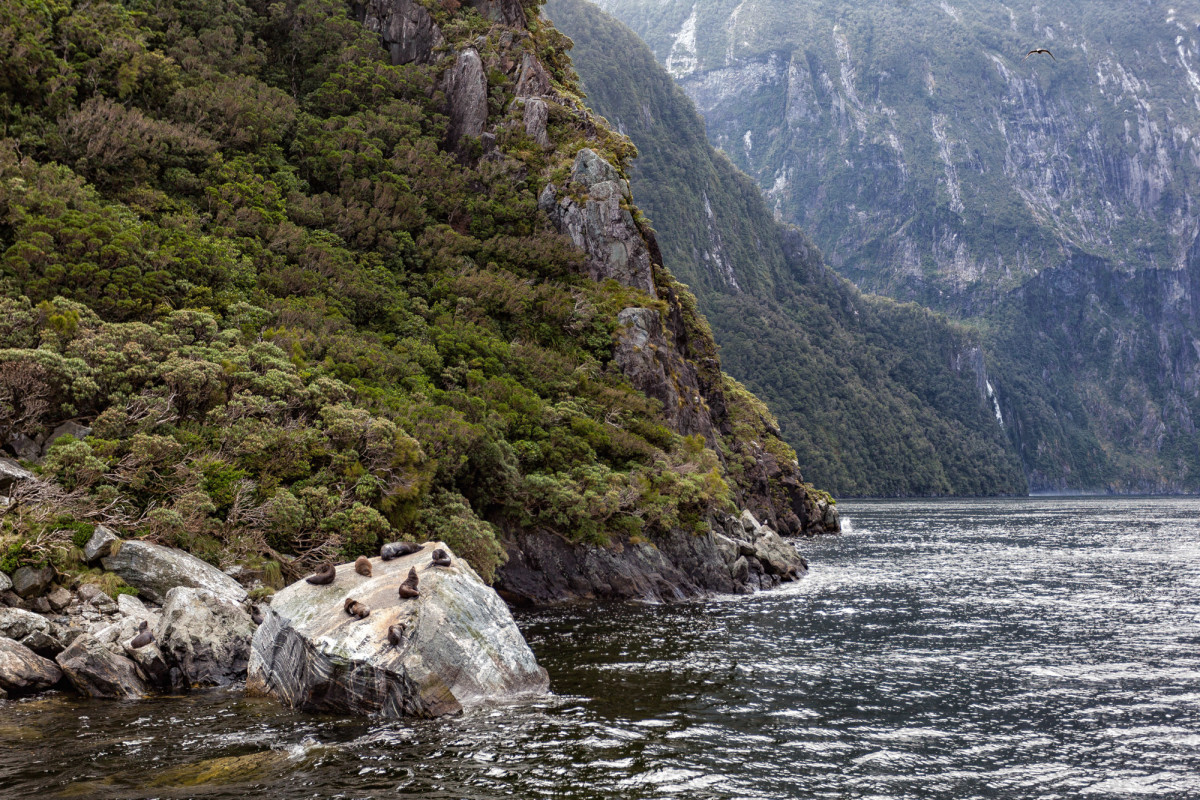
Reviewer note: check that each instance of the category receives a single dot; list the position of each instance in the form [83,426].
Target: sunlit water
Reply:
[995,649]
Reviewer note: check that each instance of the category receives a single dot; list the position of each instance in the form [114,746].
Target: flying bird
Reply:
[1040,50]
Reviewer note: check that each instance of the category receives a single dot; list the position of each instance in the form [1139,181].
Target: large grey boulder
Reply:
[601,225]
[407,29]
[205,637]
[22,670]
[96,671]
[5,582]
[16,623]
[460,647]
[466,95]
[101,544]
[155,570]
[25,447]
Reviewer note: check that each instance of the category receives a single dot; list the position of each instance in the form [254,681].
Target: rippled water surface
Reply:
[1022,648]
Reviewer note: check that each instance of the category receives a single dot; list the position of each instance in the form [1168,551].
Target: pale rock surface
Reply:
[407,29]
[205,637]
[154,570]
[600,223]
[461,646]
[100,545]
[466,94]
[22,670]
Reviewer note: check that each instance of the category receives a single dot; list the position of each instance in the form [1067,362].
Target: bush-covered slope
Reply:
[878,398]
[306,300]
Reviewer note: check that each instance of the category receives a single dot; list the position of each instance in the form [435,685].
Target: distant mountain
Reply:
[877,398]
[1048,201]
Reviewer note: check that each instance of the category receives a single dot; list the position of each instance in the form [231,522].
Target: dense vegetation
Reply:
[878,398]
[1044,202]
[234,241]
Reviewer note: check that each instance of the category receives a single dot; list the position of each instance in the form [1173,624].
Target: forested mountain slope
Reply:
[878,398]
[314,276]
[1048,200]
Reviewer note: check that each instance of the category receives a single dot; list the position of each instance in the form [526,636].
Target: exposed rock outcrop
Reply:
[458,643]
[205,637]
[22,670]
[466,96]
[736,557]
[599,222]
[96,671]
[407,29]
[154,570]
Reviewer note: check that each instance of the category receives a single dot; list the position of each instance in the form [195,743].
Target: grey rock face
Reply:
[537,113]
[508,12]
[533,79]
[601,225]
[96,671]
[22,670]
[16,623]
[544,569]
[408,32]
[59,598]
[25,448]
[100,545]
[461,646]
[5,582]
[66,429]
[205,637]
[155,570]
[29,582]
[466,94]
[12,473]
[653,364]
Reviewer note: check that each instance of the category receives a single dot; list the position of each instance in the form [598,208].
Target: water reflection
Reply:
[1031,648]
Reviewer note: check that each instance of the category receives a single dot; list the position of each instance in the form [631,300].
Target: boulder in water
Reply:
[205,637]
[22,670]
[96,671]
[460,647]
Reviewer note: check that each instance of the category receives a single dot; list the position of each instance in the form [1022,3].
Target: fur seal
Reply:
[256,615]
[441,558]
[396,634]
[396,549]
[363,566]
[143,638]
[324,575]
[409,587]
[356,609]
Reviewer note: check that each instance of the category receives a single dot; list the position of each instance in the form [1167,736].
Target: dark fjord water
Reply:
[1037,648]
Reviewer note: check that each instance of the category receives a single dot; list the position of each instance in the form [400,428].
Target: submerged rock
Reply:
[154,570]
[22,670]
[458,644]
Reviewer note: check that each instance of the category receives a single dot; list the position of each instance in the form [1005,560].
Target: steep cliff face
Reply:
[877,399]
[932,162]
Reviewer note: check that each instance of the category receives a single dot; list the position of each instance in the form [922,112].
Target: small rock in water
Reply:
[22,670]
[96,671]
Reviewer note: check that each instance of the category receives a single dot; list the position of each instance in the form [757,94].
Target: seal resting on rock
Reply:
[256,615]
[356,609]
[324,576]
[363,566]
[441,558]
[396,549]
[409,587]
[143,638]
[395,634]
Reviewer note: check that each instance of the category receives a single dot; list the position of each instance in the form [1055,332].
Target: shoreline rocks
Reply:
[154,570]
[458,645]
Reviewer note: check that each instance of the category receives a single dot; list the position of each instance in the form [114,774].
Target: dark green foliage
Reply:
[877,398]
[232,242]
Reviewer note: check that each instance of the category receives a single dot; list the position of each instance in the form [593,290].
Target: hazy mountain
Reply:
[1048,200]
[876,397]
